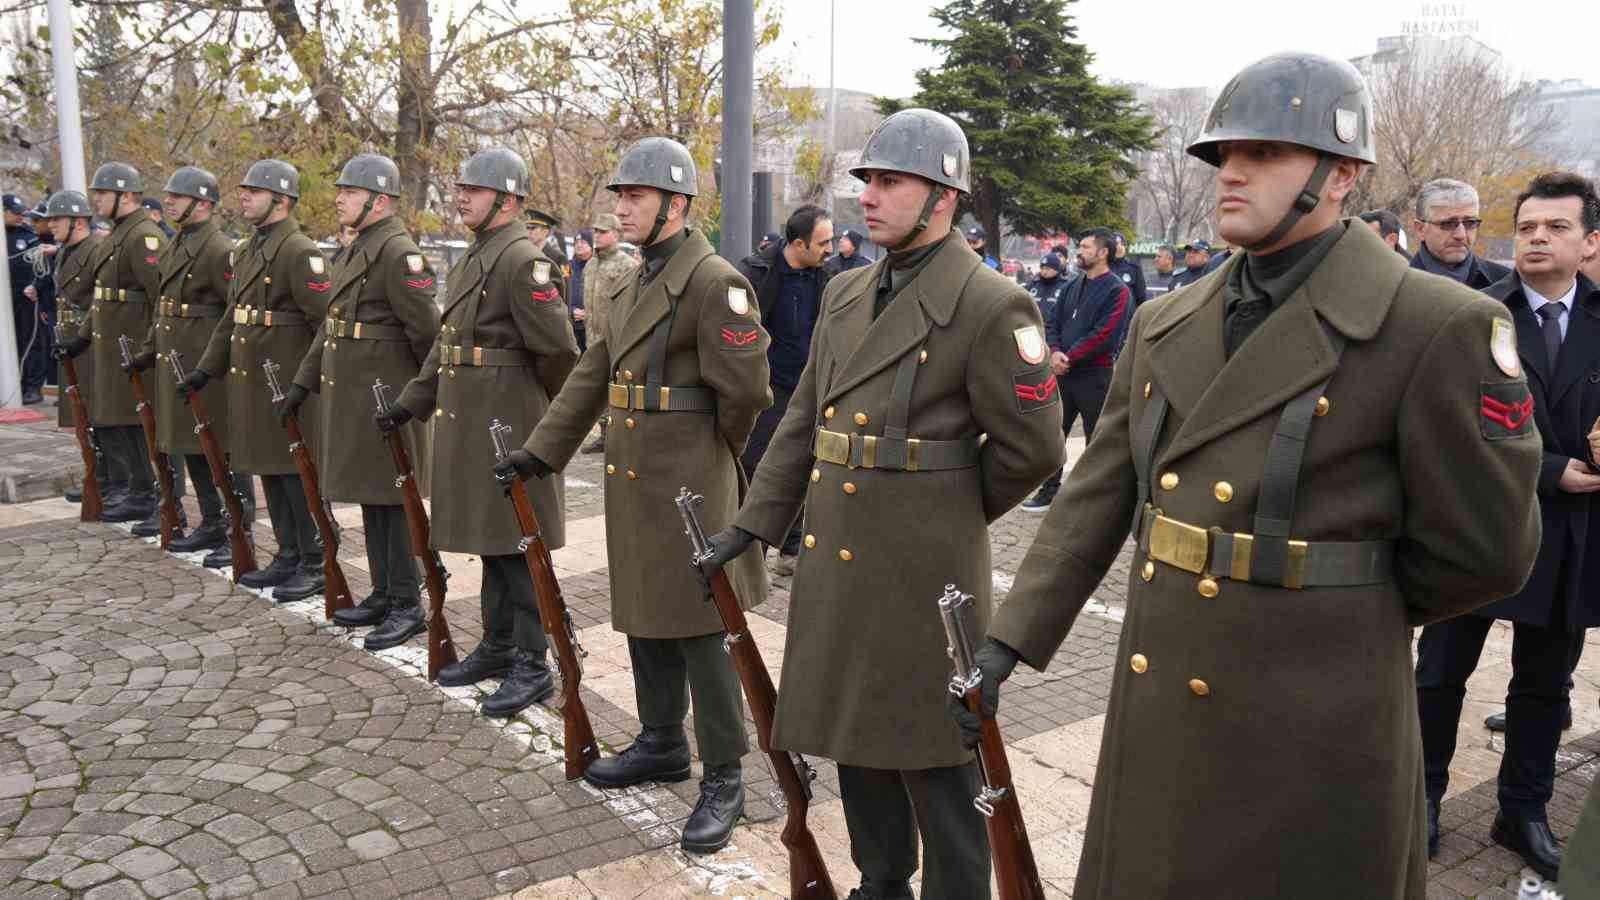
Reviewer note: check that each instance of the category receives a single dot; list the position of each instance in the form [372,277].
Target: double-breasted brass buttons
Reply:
[1138,663]
[1169,481]
[632,475]
[810,541]
[1148,573]
[849,487]
[828,413]
[1223,491]
[611,470]
[1208,588]
[628,422]
[861,418]
[1323,406]
[922,357]
[1200,688]
[1147,390]
[846,555]
[627,375]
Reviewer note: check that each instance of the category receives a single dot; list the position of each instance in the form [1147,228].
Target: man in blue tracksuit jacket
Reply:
[1089,324]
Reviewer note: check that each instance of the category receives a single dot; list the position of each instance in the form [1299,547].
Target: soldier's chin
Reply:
[1239,229]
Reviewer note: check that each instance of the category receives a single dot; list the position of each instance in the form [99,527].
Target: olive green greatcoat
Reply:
[1580,866]
[560,272]
[382,281]
[650,455]
[195,275]
[1265,744]
[281,271]
[74,296]
[494,303]
[880,544]
[126,262]
[608,270]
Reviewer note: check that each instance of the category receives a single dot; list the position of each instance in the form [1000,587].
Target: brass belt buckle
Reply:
[477,356]
[1180,545]
[833,447]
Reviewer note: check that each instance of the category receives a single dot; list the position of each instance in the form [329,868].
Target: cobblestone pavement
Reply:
[165,734]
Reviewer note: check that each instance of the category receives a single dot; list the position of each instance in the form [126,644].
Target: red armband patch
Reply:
[740,336]
[320,287]
[1036,389]
[420,283]
[1505,410]
[547,294]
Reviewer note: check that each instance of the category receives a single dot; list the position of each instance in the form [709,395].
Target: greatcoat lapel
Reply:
[469,275]
[652,304]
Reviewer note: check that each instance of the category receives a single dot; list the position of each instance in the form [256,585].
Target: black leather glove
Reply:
[71,347]
[139,363]
[996,662]
[521,463]
[725,545]
[290,404]
[390,422]
[193,383]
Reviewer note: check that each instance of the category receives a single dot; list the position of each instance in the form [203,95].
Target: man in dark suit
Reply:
[1447,219]
[1557,341]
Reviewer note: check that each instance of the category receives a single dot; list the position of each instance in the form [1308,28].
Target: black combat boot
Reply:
[403,622]
[221,557]
[280,570]
[150,525]
[528,683]
[721,804]
[211,534]
[368,612]
[486,660]
[131,508]
[659,754]
[881,889]
[307,581]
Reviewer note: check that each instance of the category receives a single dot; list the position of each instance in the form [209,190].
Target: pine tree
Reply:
[1052,146]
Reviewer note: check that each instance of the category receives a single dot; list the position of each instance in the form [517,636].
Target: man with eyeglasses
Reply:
[1447,219]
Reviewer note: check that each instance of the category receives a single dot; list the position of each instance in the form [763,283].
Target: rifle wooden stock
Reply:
[244,553]
[336,590]
[158,460]
[577,732]
[808,874]
[1015,872]
[441,647]
[93,504]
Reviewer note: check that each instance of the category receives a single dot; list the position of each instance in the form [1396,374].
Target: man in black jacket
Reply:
[849,255]
[788,278]
[1557,340]
[1447,218]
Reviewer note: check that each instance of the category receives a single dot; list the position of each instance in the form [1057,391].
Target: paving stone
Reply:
[156,830]
[88,875]
[51,868]
[198,849]
[121,889]
[140,863]
[169,883]
[374,844]
[236,829]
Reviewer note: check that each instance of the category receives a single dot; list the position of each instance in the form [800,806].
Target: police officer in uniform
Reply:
[1196,254]
[1131,273]
[1274,437]
[280,290]
[914,357]
[1049,287]
[605,274]
[381,323]
[196,278]
[504,349]
[682,369]
[68,215]
[127,274]
[975,239]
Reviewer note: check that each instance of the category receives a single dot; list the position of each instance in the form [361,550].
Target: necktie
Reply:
[1551,313]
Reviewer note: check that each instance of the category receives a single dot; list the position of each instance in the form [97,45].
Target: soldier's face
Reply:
[348,203]
[60,228]
[105,203]
[1256,183]
[637,209]
[604,238]
[472,204]
[1550,236]
[892,202]
[538,234]
[255,203]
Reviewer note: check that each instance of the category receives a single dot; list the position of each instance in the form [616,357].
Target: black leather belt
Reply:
[1221,554]
[867,451]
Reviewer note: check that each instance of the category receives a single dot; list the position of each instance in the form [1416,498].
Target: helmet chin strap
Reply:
[661,217]
[366,210]
[1309,197]
[258,221]
[488,219]
[922,219]
[187,211]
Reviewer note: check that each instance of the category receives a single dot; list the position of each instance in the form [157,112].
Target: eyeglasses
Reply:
[1449,225]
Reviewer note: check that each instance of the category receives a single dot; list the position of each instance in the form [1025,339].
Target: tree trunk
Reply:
[326,88]
[415,123]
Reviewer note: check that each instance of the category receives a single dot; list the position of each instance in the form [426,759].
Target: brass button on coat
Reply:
[922,357]
[627,375]
[1147,390]
[1200,688]
[1208,587]
[1323,406]
[827,413]
[628,422]
[1169,481]
[1148,572]
[1138,663]
[611,470]
[1223,491]
[632,475]
[816,474]
[846,555]
[811,541]
[849,487]
[861,418]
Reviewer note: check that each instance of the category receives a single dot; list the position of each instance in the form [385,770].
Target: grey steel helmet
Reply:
[657,162]
[1317,102]
[918,142]
[371,171]
[497,169]
[68,204]
[119,177]
[193,181]
[273,175]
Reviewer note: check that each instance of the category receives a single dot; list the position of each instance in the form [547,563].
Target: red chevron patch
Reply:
[549,295]
[1032,394]
[1511,416]
[740,337]
[320,287]
[419,283]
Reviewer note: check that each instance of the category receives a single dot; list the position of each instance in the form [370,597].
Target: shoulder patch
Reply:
[151,242]
[546,294]
[317,264]
[739,301]
[1030,344]
[1505,410]
[1503,347]
[414,263]
[541,271]
[1035,390]
[740,336]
